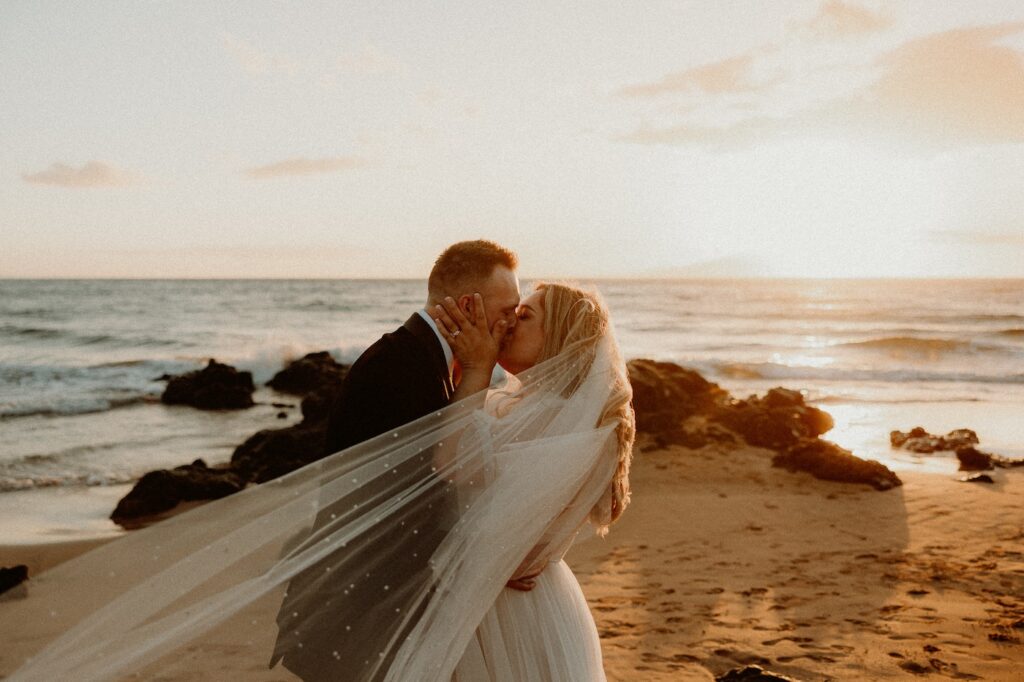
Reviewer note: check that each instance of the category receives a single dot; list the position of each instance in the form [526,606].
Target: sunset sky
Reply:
[345,139]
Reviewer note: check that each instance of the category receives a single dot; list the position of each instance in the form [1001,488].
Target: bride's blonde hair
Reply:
[574,316]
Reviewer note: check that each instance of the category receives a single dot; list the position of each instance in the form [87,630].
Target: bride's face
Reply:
[523,345]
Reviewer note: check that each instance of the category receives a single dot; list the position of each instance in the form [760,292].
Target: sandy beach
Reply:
[722,560]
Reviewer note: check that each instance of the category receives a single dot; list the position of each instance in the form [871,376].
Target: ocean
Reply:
[80,416]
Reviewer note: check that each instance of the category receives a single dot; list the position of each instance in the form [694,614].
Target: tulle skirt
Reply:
[546,634]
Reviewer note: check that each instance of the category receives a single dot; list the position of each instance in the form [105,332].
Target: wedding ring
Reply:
[456,333]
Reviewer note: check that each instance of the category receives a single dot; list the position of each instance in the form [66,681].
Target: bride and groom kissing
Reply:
[539,626]
[427,545]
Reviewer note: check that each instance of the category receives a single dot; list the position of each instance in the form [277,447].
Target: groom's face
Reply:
[500,292]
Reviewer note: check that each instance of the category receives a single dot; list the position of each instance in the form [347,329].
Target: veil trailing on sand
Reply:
[376,562]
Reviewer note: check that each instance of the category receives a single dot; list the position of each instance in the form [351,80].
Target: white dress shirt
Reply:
[448,356]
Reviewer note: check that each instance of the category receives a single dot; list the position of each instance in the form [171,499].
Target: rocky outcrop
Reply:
[317,377]
[677,406]
[665,394]
[161,490]
[753,673]
[12,576]
[780,419]
[265,455]
[826,460]
[313,372]
[962,441]
[973,459]
[919,440]
[316,406]
[215,387]
[271,453]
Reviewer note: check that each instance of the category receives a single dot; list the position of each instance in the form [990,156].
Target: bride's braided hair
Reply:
[574,316]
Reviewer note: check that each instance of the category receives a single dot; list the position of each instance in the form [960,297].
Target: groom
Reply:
[405,375]
[408,373]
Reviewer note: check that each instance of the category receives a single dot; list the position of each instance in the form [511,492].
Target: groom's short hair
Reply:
[464,265]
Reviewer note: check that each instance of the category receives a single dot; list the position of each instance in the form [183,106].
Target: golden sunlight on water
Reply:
[864,430]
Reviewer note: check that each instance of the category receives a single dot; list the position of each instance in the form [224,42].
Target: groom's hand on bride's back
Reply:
[523,583]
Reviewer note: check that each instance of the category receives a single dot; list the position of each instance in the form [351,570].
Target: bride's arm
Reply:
[462,458]
[475,346]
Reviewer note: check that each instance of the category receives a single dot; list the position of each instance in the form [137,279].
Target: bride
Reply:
[546,633]
[502,481]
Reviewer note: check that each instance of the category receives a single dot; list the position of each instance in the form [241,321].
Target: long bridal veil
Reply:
[377,562]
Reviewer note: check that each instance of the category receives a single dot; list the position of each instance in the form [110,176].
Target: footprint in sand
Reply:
[772,642]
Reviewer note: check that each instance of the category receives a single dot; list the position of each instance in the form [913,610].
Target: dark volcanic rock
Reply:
[313,372]
[753,673]
[919,440]
[271,453]
[778,420]
[973,459]
[215,387]
[787,401]
[664,394]
[977,478]
[161,490]
[265,455]
[316,406]
[12,576]
[828,461]
[316,377]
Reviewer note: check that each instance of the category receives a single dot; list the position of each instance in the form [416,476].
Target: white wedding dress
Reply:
[546,634]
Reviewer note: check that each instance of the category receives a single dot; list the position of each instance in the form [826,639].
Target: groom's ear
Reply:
[465,304]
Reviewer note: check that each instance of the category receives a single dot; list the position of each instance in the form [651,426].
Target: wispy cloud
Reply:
[303,166]
[951,88]
[959,82]
[842,19]
[92,174]
[727,75]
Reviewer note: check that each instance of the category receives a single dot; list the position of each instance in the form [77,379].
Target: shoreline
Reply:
[37,515]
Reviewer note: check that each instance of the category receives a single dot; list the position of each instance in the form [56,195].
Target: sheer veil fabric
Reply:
[294,573]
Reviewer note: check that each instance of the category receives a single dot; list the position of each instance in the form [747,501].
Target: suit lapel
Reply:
[432,346]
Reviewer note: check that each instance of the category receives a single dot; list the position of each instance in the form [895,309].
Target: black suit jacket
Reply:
[347,606]
[398,379]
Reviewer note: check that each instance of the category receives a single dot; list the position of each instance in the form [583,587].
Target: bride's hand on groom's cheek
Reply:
[474,344]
